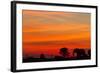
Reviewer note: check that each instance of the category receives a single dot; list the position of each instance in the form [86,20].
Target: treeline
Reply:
[78,54]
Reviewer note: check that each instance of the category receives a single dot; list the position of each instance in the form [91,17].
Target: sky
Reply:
[48,31]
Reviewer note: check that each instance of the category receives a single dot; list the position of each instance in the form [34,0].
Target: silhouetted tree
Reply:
[64,52]
[79,53]
[89,53]
[42,56]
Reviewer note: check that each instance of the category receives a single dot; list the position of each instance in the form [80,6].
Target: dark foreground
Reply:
[52,59]
[78,54]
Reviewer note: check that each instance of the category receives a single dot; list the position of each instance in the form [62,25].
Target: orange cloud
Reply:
[46,30]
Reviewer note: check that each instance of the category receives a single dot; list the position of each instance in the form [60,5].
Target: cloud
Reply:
[56,17]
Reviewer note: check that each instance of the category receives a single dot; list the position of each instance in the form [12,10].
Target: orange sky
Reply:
[47,31]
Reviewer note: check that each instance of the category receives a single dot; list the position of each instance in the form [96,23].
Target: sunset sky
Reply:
[48,31]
